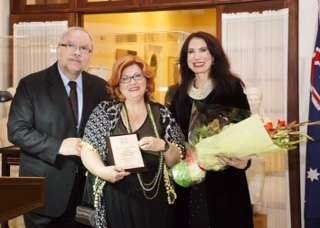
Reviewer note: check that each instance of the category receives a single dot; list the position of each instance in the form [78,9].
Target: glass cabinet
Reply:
[159,49]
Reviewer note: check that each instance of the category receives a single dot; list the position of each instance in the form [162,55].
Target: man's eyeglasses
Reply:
[73,47]
[127,79]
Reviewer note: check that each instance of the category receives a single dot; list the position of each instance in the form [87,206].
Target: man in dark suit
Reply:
[47,119]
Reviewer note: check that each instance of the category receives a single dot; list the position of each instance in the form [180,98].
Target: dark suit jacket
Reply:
[40,118]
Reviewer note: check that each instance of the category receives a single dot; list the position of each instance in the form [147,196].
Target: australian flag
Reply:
[312,190]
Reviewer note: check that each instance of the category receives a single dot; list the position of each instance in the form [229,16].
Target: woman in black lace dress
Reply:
[222,200]
[123,199]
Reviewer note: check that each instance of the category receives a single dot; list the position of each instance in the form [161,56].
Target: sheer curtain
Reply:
[4,47]
[257,47]
[34,46]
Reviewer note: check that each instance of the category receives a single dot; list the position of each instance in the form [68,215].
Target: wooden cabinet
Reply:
[260,221]
[19,195]
[45,2]
[19,6]
[216,2]
[176,3]
[106,5]
[70,17]
[76,6]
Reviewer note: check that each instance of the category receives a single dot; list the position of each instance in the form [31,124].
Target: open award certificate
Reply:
[125,152]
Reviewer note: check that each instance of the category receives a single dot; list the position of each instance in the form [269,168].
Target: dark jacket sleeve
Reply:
[240,98]
[22,131]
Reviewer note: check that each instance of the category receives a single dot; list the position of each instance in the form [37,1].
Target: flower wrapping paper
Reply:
[245,138]
[188,172]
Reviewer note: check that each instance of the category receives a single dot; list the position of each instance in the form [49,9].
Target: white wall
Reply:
[308,11]
[4,17]
[4,31]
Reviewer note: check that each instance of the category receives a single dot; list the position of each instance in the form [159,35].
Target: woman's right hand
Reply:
[239,163]
[113,174]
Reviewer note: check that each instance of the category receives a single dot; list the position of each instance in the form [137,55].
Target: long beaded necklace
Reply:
[154,185]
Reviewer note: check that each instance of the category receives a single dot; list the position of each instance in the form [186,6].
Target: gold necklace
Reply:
[171,194]
[154,185]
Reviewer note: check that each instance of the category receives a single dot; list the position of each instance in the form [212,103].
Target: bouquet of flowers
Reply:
[221,136]
[246,138]
[206,121]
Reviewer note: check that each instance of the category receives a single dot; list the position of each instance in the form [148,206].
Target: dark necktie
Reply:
[73,97]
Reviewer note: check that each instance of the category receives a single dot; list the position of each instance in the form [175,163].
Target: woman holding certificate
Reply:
[208,89]
[128,144]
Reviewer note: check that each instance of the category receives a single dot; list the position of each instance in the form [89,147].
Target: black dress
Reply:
[222,200]
[125,203]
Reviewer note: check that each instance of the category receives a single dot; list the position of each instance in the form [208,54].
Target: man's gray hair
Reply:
[75,28]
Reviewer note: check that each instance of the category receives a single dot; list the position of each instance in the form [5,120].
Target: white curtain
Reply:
[35,46]
[257,47]
[4,47]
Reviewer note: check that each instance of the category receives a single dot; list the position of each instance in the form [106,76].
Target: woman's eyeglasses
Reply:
[127,79]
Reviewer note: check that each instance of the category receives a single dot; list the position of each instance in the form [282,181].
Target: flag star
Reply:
[313,174]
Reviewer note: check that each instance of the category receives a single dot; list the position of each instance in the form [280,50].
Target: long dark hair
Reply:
[220,73]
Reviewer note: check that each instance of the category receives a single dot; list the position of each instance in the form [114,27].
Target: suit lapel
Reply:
[58,94]
[87,100]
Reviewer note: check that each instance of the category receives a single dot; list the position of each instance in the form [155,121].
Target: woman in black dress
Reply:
[123,199]
[222,200]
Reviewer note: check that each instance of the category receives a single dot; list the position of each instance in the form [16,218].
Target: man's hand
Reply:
[70,146]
